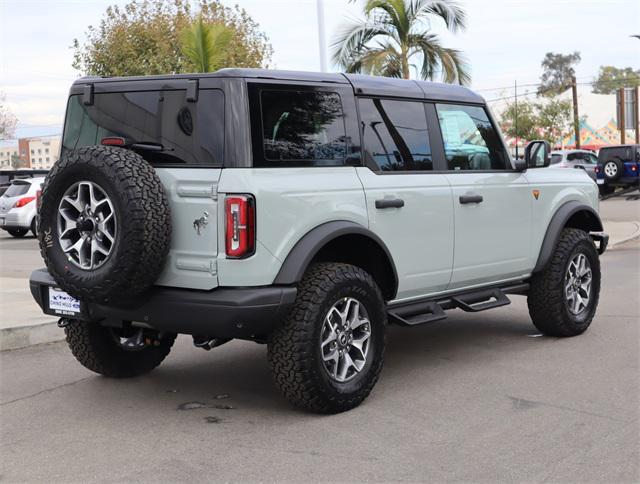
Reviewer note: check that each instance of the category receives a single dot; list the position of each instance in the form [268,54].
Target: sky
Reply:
[504,42]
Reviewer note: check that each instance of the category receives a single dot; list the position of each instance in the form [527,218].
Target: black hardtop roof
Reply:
[363,85]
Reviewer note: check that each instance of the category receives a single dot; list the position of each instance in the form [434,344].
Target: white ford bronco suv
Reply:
[305,211]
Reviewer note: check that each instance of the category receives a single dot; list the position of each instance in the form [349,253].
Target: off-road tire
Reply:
[606,189]
[294,351]
[546,300]
[17,233]
[96,349]
[142,216]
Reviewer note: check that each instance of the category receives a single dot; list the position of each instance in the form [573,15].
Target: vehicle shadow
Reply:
[238,375]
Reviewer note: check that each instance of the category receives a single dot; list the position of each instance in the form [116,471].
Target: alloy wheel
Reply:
[345,339]
[577,284]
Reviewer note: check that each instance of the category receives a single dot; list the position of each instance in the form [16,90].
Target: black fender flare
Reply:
[298,259]
[559,222]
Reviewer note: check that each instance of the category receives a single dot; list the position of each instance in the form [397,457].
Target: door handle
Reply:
[390,203]
[471,198]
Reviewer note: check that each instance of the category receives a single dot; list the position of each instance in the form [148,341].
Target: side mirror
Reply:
[536,154]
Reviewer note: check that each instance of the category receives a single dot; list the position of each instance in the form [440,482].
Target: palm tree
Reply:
[205,44]
[393,32]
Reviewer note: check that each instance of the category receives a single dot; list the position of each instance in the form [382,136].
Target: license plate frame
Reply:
[62,304]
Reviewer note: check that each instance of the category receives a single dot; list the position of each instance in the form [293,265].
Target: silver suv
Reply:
[305,211]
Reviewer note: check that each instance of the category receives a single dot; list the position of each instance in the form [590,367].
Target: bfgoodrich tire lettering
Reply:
[144,224]
[294,349]
[548,305]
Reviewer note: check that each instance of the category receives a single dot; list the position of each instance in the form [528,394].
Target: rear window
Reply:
[623,153]
[17,188]
[555,159]
[297,128]
[185,132]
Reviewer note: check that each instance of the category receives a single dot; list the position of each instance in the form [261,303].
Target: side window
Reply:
[395,135]
[470,140]
[301,128]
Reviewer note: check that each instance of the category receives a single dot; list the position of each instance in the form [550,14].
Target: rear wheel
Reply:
[117,352]
[606,189]
[18,233]
[327,355]
[563,298]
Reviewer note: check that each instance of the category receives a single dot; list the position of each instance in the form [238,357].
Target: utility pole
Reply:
[576,117]
[621,121]
[636,118]
[515,87]
[321,36]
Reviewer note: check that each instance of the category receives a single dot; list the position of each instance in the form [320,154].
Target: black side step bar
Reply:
[417,313]
[481,300]
[420,312]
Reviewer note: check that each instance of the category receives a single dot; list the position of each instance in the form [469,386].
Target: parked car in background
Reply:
[7,176]
[618,166]
[580,159]
[18,206]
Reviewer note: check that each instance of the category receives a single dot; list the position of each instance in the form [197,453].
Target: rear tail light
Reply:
[23,201]
[240,220]
[113,141]
[634,167]
[597,169]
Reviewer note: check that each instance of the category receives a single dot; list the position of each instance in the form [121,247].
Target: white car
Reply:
[18,206]
[581,159]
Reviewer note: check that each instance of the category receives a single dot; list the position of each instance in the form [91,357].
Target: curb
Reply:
[23,336]
[635,235]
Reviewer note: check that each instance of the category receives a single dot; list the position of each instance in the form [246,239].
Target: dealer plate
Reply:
[61,303]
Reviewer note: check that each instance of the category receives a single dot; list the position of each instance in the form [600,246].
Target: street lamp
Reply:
[321,36]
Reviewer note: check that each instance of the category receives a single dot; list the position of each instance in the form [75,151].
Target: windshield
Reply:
[179,130]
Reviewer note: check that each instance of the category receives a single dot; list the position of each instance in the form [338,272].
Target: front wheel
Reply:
[563,298]
[117,352]
[327,355]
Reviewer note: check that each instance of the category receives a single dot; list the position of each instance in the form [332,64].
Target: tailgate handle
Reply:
[390,203]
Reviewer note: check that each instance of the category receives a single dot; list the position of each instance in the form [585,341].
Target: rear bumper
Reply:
[17,219]
[245,313]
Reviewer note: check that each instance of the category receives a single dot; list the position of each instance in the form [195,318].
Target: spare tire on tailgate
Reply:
[105,224]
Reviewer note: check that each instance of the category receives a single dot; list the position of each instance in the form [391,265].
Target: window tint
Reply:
[188,132]
[395,135]
[17,188]
[470,141]
[555,159]
[302,126]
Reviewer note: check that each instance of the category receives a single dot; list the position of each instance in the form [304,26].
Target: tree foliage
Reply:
[204,44]
[8,121]
[611,78]
[395,32]
[557,73]
[548,119]
[143,37]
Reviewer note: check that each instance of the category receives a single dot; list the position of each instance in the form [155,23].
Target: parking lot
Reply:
[477,397]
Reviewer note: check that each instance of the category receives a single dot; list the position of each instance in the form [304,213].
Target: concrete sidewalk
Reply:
[23,324]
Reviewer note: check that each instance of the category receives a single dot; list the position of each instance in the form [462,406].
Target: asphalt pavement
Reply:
[477,397]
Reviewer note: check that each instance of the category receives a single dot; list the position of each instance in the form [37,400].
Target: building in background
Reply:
[39,153]
[7,152]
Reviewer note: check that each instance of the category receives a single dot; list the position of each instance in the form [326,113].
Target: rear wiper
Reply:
[148,147]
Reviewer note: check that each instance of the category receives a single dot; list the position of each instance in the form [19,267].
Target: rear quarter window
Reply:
[295,126]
